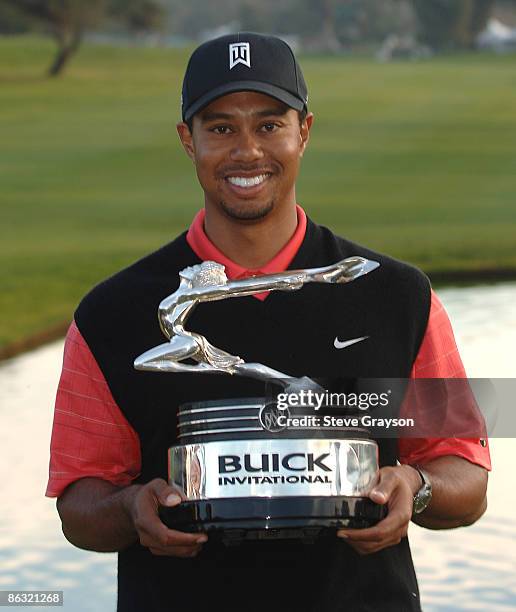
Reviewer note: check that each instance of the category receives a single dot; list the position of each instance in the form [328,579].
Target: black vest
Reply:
[292,332]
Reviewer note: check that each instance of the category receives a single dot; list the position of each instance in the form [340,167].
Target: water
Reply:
[33,552]
[463,569]
[474,568]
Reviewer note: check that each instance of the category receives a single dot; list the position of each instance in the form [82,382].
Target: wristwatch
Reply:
[424,495]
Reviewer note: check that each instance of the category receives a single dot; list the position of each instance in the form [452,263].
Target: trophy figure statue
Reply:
[207,282]
[202,465]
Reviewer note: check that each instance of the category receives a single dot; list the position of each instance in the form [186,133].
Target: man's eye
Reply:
[221,129]
[269,127]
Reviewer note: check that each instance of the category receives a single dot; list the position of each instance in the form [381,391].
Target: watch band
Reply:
[423,495]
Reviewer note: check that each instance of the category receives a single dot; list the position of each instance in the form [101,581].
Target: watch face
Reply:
[422,498]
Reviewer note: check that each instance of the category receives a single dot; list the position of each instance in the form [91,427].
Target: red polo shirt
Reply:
[92,438]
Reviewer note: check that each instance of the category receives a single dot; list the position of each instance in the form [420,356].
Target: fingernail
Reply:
[378,494]
[173,500]
[202,539]
[342,535]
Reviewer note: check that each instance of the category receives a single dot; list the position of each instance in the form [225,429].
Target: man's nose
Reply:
[247,148]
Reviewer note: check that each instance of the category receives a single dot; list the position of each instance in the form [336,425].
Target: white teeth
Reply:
[241,181]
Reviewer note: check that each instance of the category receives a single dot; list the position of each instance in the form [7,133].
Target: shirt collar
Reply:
[207,251]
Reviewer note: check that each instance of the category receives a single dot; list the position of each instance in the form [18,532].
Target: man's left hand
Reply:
[396,487]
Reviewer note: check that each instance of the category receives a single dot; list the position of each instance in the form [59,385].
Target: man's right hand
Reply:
[153,534]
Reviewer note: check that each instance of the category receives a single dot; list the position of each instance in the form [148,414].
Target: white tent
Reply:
[497,36]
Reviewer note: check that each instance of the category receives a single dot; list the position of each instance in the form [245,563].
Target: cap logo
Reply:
[239,53]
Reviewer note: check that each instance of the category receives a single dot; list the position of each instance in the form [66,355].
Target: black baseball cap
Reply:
[244,61]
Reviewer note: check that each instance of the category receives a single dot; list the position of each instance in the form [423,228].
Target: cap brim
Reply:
[232,87]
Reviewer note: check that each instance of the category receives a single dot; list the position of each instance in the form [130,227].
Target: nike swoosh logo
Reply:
[340,345]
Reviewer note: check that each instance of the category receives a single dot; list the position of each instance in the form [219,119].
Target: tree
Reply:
[11,22]
[137,15]
[452,23]
[66,20]
[327,16]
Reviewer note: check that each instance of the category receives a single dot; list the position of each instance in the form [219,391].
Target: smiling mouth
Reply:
[246,182]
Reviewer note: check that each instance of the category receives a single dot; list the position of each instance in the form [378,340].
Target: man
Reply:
[245,127]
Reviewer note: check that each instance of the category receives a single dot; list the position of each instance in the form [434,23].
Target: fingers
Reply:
[387,532]
[392,489]
[186,552]
[369,548]
[388,480]
[166,538]
[396,521]
[164,493]
[153,534]
[174,543]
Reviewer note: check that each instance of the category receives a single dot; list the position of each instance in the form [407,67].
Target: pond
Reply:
[463,569]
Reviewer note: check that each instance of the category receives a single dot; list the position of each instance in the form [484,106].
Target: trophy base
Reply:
[233,520]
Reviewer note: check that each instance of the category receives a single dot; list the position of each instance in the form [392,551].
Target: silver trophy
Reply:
[242,472]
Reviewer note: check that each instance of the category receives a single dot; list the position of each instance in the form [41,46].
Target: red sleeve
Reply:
[90,435]
[438,357]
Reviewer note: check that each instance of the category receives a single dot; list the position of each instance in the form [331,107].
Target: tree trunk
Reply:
[68,43]
[483,12]
[325,38]
[328,26]
[473,19]
[463,34]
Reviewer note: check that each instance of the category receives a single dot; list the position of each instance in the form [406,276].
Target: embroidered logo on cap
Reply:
[239,53]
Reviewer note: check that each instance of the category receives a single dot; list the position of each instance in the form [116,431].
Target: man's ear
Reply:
[186,139]
[304,131]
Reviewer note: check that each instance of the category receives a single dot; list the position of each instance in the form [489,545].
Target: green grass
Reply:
[414,159]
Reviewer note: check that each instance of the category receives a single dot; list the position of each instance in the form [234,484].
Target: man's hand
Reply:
[396,487]
[97,515]
[143,509]
[458,500]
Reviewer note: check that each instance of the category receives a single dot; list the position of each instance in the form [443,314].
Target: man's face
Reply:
[247,147]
